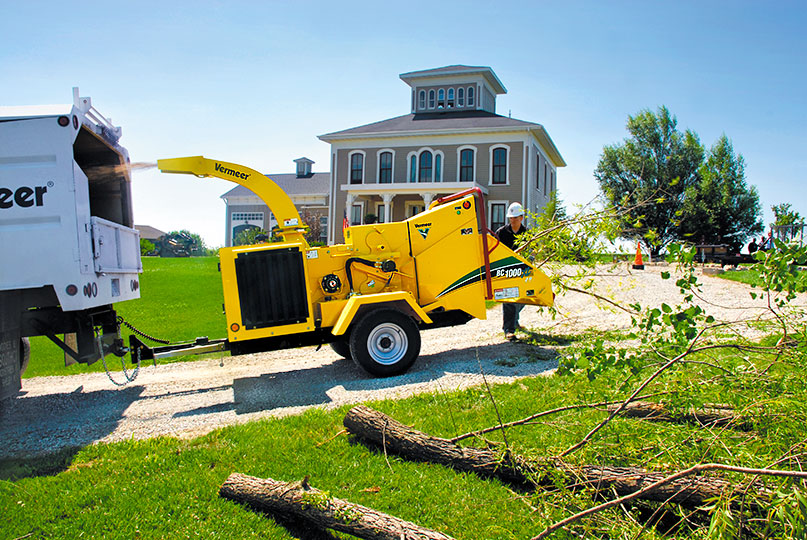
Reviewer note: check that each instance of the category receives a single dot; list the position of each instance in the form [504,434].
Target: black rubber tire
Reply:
[341,347]
[385,342]
[25,354]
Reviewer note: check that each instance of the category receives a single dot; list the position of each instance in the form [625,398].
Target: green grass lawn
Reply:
[741,276]
[181,299]
[168,488]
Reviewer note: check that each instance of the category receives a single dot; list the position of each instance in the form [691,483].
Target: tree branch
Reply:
[681,474]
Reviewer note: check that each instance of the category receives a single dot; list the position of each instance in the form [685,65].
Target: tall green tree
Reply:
[647,175]
[786,221]
[247,236]
[721,208]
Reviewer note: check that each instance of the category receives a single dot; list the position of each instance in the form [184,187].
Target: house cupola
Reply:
[454,89]
[304,167]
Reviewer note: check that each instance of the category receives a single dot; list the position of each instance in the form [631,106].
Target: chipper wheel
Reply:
[385,342]
[341,347]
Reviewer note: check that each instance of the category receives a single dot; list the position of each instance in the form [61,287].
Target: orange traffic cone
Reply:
[637,262]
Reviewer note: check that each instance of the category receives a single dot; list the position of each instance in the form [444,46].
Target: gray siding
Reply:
[449,166]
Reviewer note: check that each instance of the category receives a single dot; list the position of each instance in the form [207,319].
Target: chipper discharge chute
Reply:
[370,296]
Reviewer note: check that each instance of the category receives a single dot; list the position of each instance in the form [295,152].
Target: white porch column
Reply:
[387,197]
[351,198]
[427,199]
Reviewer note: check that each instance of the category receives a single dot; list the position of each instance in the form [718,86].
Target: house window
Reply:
[497,211]
[413,169]
[546,178]
[431,99]
[438,162]
[467,166]
[470,96]
[461,97]
[552,176]
[422,100]
[441,98]
[356,168]
[450,97]
[538,172]
[379,212]
[425,169]
[355,214]
[385,168]
[247,216]
[499,166]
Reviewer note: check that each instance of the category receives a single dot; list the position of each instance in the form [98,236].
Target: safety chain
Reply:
[141,333]
[129,378]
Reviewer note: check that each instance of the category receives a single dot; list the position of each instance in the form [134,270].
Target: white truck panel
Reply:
[47,233]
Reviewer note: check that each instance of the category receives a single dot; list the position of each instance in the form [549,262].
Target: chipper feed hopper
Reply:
[370,296]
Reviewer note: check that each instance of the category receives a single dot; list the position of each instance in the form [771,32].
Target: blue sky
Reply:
[255,83]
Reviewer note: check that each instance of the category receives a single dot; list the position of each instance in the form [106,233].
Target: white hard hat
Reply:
[515,210]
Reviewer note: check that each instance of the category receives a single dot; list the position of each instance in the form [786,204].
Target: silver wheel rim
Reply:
[387,344]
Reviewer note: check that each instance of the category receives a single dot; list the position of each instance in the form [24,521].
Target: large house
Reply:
[308,191]
[451,140]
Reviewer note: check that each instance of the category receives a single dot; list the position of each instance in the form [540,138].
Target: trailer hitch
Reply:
[200,345]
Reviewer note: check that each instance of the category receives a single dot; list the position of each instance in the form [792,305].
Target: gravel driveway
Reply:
[193,398]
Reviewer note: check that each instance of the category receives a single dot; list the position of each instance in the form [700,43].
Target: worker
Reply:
[753,247]
[507,236]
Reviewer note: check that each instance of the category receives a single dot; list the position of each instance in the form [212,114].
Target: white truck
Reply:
[68,246]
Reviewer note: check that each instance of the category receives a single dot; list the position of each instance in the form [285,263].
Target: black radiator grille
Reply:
[271,287]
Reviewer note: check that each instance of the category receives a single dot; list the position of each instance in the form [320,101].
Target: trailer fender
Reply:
[401,300]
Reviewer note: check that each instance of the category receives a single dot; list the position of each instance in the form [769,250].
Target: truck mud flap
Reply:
[9,344]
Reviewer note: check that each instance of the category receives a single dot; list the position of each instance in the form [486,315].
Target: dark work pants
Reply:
[510,315]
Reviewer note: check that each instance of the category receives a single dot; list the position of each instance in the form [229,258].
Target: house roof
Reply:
[456,69]
[148,232]
[446,123]
[315,184]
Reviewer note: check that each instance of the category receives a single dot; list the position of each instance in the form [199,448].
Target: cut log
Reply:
[382,431]
[711,417]
[301,501]
[378,428]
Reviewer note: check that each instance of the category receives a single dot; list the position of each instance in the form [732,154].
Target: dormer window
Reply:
[431,99]
[441,98]
[450,103]
[422,99]
[470,96]
[461,97]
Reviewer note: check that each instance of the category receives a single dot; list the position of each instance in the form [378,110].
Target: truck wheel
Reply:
[25,354]
[385,342]
[341,347]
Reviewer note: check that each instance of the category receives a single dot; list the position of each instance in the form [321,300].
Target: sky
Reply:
[255,83]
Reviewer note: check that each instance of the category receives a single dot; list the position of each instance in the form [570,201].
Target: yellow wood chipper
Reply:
[369,297]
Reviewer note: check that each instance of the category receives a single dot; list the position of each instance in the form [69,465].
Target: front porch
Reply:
[397,201]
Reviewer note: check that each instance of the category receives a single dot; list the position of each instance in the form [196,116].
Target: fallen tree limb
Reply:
[535,416]
[666,481]
[385,432]
[712,417]
[299,500]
